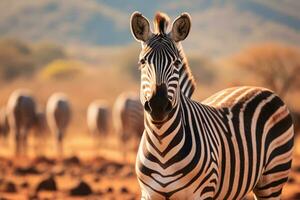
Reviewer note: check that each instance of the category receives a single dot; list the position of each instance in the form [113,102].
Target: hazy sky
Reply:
[219,27]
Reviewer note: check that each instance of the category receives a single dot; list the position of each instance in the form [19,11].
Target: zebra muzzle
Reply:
[159,106]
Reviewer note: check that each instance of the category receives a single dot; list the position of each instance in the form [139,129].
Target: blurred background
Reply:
[84,49]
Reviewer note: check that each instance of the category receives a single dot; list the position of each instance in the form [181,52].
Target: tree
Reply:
[45,53]
[15,59]
[278,65]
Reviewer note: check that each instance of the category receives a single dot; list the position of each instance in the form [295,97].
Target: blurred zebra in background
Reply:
[128,119]
[4,126]
[58,112]
[40,132]
[21,111]
[98,118]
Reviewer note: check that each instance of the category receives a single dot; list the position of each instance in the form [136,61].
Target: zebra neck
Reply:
[186,81]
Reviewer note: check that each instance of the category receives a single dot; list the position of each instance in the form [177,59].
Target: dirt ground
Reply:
[91,177]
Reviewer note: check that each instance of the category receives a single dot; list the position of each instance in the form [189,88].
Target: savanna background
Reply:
[85,49]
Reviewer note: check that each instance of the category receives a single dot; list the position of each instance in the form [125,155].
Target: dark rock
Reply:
[109,190]
[74,160]
[48,184]
[9,187]
[24,185]
[124,190]
[45,160]
[297,169]
[295,196]
[96,179]
[22,171]
[291,180]
[82,189]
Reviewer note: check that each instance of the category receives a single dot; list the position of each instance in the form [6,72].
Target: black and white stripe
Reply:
[237,141]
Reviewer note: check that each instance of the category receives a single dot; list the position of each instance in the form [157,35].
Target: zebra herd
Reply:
[22,115]
[237,141]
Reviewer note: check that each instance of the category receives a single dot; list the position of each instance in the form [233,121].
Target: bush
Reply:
[61,69]
[277,65]
[18,58]
[15,59]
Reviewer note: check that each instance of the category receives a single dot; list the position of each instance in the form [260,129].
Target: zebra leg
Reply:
[17,143]
[59,143]
[125,152]
[123,144]
[24,141]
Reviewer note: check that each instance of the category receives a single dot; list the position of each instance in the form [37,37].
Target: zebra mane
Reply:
[187,82]
[161,22]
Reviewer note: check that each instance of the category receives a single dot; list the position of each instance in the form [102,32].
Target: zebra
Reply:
[128,118]
[58,114]
[21,111]
[4,126]
[41,132]
[239,140]
[98,118]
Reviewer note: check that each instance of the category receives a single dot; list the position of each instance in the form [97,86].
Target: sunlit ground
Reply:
[100,165]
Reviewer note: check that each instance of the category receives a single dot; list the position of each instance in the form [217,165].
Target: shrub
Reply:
[61,69]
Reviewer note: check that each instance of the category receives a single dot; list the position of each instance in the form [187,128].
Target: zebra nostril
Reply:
[147,106]
[169,106]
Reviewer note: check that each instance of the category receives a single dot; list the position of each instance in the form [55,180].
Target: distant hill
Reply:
[219,27]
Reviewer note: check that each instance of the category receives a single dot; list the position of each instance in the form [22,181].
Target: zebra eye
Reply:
[177,63]
[142,62]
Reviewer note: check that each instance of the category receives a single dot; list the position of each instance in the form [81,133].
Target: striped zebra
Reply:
[237,141]
[128,119]
[98,118]
[58,114]
[21,111]
[4,126]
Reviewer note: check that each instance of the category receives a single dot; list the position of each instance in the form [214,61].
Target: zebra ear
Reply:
[140,27]
[181,27]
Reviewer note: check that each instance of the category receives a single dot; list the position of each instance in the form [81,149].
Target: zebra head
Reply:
[160,61]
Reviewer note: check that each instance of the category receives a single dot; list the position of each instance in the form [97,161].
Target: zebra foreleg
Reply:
[24,141]
[59,144]
[17,143]
[125,155]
